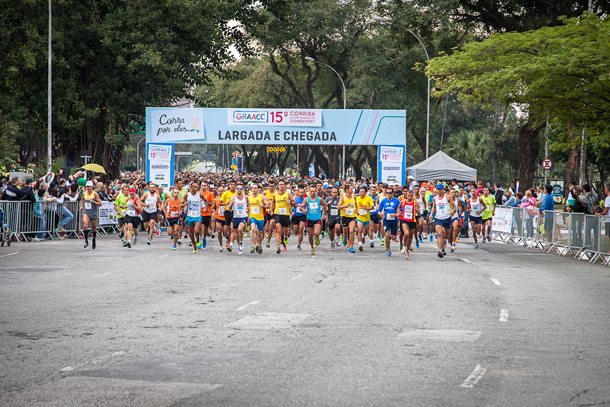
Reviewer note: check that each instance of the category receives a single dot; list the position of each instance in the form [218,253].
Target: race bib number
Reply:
[256,210]
[174,214]
[299,209]
[203,205]
[362,212]
[87,205]
[193,213]
[408,212]
[349,211]
[282,211]
[334,212]
[391,216]
[221,209]
[314,206]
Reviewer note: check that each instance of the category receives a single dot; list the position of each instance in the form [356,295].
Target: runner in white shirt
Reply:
[151,201]
[239,205]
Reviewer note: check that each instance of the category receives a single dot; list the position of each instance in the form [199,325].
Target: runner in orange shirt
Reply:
[219,216]
[207,203]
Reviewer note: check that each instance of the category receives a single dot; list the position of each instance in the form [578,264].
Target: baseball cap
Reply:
[89,184]
[132,190]
[440,186]
[410,177]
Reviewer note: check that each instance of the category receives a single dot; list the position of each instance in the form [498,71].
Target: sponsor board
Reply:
[160,164]
[391,164]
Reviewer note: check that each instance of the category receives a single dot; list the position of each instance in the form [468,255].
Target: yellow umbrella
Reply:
[94,167]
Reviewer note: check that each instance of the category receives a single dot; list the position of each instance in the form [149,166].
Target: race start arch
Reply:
[166,126]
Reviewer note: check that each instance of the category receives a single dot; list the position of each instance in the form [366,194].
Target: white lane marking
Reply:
[495,281]
[466,261]
[475,376]
[9,254]
[504,315]
[105,274]
[269,320]
[163,256]
[243,307]
[297,277]
[93,361]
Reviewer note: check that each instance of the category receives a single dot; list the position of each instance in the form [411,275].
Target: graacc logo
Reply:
[250,116]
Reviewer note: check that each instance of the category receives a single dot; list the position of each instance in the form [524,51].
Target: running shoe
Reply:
[229,248]
[278,251]
[417,244]
[128,245]
[179,242]
[351,250]
[204,243]
[360,248]
[239,250]
[317,240]
[344,241]
[86,244]
[431,238]
[421,239]
[221,249]
[440,254]
[125,244]
[93,244]
[452,248]
[284,248]
[298,247]
[135,240]
[476,246]
[252,249]
[402,249]
[241,246]
[407,254]
[194,250]
[268,245]
[332,246]
[285,240]
[313,251]
[213,236]
[388,253]
[174,247]
[372,244]
[148,242]
[260,249]
[199,245]
[488,238]
[444,252]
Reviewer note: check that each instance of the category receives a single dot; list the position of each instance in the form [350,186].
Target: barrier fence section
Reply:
[26,220]
[584,237]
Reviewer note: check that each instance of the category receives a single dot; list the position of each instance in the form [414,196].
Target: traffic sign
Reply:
[547,164]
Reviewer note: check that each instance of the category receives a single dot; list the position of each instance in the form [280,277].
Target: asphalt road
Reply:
[498,326]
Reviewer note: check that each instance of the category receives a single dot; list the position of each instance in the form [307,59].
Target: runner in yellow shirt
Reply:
[257,204]
[364,204]
[347,208]
[283,201]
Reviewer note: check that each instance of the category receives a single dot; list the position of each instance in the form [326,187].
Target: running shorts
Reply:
[296,220]
[311,222]
[147,217]
[485,220]
[260,224]
[192,221]
[411,225]
[121,221]
[228,218]
[375,218]
[206,220]
[345,221]
[332,222]
[363,223]
[391,226]
[476,219]
[173,221]
[235,222]
[133,220]
[446,223]
[283,220]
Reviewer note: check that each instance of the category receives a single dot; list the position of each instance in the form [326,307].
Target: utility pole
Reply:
[546,146]
[49,96]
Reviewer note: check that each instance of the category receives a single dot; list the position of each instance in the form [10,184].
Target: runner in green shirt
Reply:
[489,212]
[120,206]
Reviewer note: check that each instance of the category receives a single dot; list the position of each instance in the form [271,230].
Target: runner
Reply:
[192,201]
[407,216]
[423,215]
[152,203]
[238,205]
[120,206]
[207,204]
[476,206]
[375,222]
[315,208]
[89,205]
[488,213]
[225,198]
[173,213]
[282,203]
[365,205]
[257,203]
[389,207]
[442,211]
[269,220]
[132,217]
[347,208]
[298,215]
[456,218]
[219,218]
[332,218]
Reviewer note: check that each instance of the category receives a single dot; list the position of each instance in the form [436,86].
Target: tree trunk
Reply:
[572,167]
[530,147]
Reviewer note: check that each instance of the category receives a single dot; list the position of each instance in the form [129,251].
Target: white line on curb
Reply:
[466,261]
[495,281]
[504,315]
[475,376]
[9,254]
[163,256]
[243,307]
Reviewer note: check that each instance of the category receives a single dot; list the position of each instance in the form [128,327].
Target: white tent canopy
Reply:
[441,167]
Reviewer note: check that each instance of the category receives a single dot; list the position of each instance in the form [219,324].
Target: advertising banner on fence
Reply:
[107,214]
[276,126]
[392,164]
[160,164]
[502,221]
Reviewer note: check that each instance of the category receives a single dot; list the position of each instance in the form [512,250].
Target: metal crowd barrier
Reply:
[584,237]
[29,220]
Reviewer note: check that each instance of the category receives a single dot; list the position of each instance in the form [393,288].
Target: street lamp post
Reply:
[310,59]
[385,20]
[138,153]
[49,96]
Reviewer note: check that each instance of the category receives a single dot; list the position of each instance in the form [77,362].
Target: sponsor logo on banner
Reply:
[107,214]
[171,123]
[391,168]
[159,152]
[391,153]
[502,220]
[271,117]
[159,166]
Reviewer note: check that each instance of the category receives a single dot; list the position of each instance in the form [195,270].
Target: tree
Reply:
[559,70]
